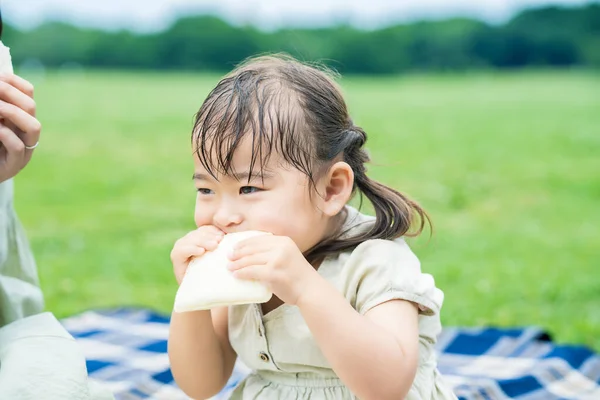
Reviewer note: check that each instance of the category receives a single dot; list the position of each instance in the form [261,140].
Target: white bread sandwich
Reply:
[208,283]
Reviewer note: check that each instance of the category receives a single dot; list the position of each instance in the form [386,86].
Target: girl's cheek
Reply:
[201,216]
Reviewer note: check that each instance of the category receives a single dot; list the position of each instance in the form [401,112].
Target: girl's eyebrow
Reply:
[201,177]
[262,175]
[246,175]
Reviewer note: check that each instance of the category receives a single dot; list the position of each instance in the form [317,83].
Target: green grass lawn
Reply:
[507,165]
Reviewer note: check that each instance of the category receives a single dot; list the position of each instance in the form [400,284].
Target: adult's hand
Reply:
[19,129]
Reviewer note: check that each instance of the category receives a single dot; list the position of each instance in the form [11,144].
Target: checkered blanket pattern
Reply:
[126,350]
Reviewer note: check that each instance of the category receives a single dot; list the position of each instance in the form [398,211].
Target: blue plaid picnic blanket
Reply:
[126,350]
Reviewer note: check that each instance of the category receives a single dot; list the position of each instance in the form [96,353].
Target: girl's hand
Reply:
[275,261]
[194,244]
[19,128]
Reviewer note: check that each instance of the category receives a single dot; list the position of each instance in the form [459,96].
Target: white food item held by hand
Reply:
[208,283]
[6,66]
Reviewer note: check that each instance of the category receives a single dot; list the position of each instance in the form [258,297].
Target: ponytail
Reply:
[395,213]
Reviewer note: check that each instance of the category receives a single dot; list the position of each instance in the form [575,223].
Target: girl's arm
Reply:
[375,355]
[201,356]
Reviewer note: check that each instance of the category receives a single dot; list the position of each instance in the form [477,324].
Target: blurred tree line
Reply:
[541,37]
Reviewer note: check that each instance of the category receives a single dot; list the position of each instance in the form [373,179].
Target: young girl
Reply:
[352,315]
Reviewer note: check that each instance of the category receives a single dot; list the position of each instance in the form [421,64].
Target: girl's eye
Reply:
[248,189]
[204,191]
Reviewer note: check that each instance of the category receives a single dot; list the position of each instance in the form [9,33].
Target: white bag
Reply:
[208,283]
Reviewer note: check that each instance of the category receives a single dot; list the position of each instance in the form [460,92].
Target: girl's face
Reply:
[278,201]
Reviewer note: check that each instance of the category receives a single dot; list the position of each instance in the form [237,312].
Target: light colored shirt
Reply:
[39,359]
[20,294]
[286,360]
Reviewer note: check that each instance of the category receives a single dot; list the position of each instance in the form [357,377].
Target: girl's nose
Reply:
[224,218]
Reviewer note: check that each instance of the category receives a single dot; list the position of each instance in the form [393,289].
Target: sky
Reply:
[155,15]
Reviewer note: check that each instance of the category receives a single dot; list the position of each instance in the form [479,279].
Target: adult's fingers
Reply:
[29,126]
[23,85]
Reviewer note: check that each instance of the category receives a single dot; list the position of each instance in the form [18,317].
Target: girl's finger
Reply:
[210,229]
[209,243]
[207,232]
[23,85]
[207,240]
[248,261]
[254,273]
[188,251]
[249,247]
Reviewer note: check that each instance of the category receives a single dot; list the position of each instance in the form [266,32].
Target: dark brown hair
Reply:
[297,110]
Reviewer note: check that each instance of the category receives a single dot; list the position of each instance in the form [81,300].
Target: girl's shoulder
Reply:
[389,259]
[380,270]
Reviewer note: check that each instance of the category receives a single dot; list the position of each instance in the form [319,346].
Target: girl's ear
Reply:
[336,188]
